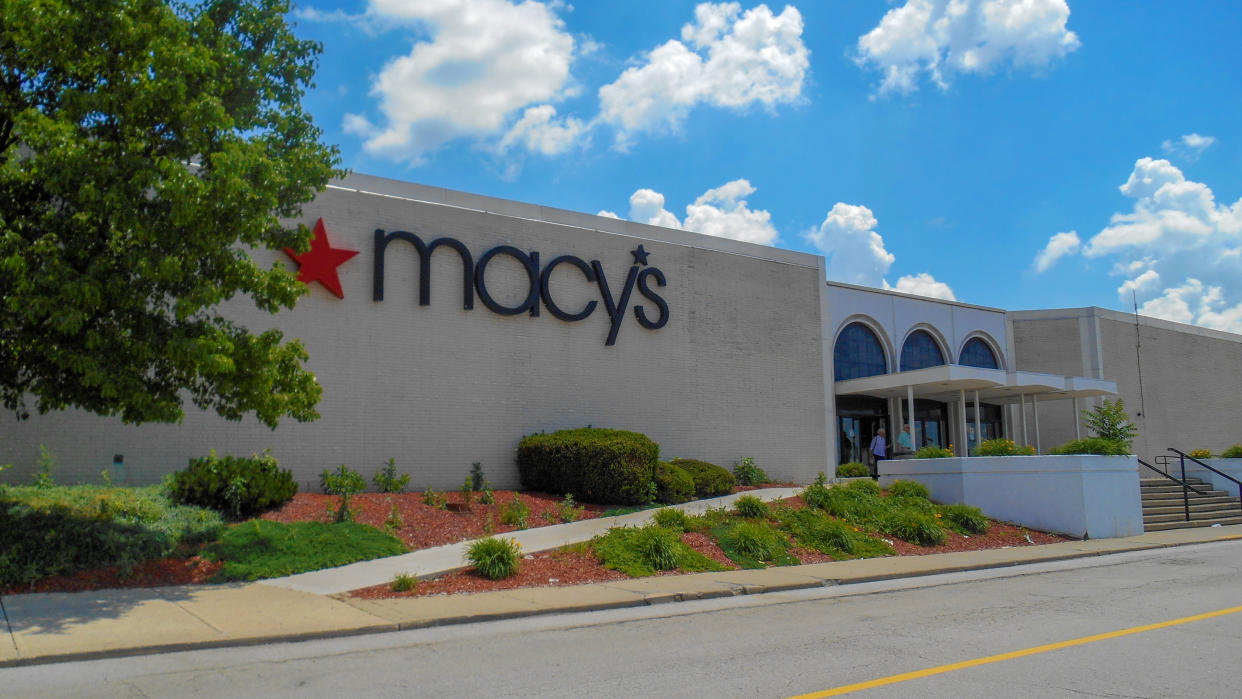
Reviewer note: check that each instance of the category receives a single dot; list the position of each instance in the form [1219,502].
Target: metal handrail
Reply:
[1185,456]
[1182,482]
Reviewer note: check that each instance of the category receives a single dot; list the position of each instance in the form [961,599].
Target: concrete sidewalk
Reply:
[58,627]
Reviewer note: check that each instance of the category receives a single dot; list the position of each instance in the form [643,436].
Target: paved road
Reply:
[774,645]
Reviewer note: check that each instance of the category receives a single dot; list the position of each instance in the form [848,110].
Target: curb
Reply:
[640,600]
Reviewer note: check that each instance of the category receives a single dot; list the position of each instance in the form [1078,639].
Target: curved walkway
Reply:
[437,560]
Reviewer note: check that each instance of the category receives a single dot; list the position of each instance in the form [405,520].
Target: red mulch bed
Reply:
[424,526]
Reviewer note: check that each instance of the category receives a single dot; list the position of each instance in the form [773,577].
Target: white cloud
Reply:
[1189,147]
[729,59]
[485,60]
[944,37]
[1058,246]
[540,131]
[923,284]
[607,214]
[1178,251]
[721,212]
[855,252]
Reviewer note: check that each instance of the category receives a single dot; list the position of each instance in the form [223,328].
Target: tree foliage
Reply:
[146,147]
[1110,421]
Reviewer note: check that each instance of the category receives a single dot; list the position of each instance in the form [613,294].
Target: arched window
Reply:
[920,352]
[977,353]
[858,353]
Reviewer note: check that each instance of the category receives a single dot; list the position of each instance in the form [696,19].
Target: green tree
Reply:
[146,148]
[1110,421]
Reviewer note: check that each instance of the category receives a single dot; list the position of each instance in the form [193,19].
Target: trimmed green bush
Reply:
[931,451]
[597,465]
[964,518]
[908,489]
[751,507]
[745,472]
[671,518]
[710,480]
[1092,445]
[673,484]
[495,559]
[261,549]
[852,469]
[1233,452]
[236,486]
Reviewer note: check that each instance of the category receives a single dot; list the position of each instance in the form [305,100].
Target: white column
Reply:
[978,428]
[1035,409]
[910,398]
[1022,401]
[963,448]
[901,422]
[1077,422]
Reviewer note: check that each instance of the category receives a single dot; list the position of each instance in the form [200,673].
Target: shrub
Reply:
[671,518]
[908,489]
[403,582]
[1003,447]
[860,488]
[931,451]
[816,494]
[487,497]
[495,559]
[964,518]
[751,507]
[433,499]
[642,551]
[261,549]
[346,483]
[515,513]
[466,491]
[709,479]
[673,484]
[387,480]
[599,465]
[567,510]
[1092,445]
[913,526]
[1233,452]
[477,481]
[1200,453]
[817,531]
[852,469]
[745,472]
[1109,421]
[756,541]
[43,474]
[242,487]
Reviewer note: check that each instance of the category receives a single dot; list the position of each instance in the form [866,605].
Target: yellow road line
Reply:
[906,676]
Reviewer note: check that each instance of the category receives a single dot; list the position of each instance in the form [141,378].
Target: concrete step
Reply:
[1172,488]
[1194,516]
[1231,506]
[1162,526]
[1213,496]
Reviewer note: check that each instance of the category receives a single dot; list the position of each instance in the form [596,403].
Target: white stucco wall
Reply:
[737,371]
[1095,497]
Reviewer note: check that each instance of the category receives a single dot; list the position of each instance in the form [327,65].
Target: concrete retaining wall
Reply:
[1092,497]
[1233,467]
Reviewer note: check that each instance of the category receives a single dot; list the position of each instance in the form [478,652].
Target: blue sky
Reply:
[1012,153]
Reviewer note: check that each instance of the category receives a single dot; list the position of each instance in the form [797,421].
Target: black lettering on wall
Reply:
[556,310]
[616,309]
[655,298]
[529,262]
[424,265]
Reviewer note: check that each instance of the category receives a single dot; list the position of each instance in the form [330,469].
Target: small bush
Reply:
[477,481]
[673,484]
[515,513]
[931,451]
[709,479]
[913,526]
[567,510]
[640,552]
[43,474]
[599,465]
[745,472]
[816,494]
[751,507]
[964,518]
[1233,452]
[433,499]
[908,489]
[1200,453]
[1003,447]
[388,481]
[241,487]
[860,488]
[495,559]
[852,469]
[403,582]
[487,497]
[671,518]
[466,491]
[346,483]
[1093,445]
[394,520]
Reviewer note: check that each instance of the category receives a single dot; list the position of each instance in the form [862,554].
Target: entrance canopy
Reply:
[945,382]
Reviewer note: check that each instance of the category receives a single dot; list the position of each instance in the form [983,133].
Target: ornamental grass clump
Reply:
[751,507]
[754,544]
[403,582]
[913,526]
[494,559]
[964,518]
[908,489]
[852,469]
[817,531]
[641,551]
[671,519]
[1003,447]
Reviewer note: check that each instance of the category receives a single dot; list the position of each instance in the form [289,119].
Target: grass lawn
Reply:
[260,549]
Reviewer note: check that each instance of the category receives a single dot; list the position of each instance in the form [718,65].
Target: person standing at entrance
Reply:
[879,451]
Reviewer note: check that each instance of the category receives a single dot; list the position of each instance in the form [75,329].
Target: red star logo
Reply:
[320,263]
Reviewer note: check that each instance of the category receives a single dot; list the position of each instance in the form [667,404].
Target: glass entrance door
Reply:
[858,420]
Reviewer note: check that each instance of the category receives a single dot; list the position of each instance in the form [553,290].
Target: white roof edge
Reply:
[397,189]
[1123,317]
[915,297]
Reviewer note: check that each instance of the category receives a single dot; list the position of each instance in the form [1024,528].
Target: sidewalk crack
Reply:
[208,624]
